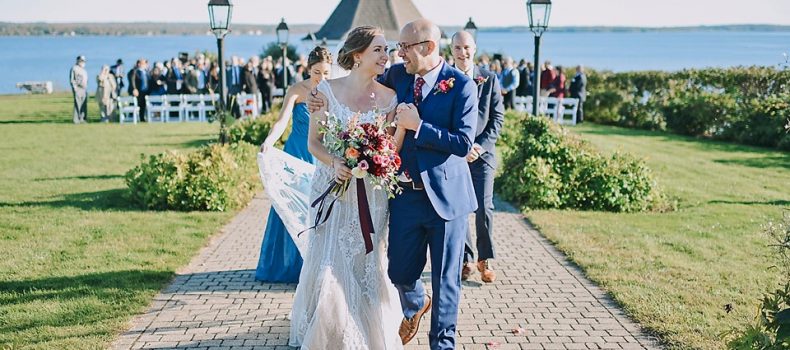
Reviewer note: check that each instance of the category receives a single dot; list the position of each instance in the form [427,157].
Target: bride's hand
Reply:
[314,103]
[342,172]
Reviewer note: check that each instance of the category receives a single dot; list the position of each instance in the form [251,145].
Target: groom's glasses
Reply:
[404,46]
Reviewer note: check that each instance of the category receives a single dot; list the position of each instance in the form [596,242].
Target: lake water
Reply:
[49,58]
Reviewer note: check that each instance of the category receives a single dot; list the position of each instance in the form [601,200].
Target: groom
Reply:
[438,107]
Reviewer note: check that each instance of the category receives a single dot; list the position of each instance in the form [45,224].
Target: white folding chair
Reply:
[127,107]
[193,107]
[549,107]
[567,107]
[520,102]
[156,108]
[174,105]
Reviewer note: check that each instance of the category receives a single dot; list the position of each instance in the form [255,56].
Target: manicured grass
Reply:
[78,260]
[675,272]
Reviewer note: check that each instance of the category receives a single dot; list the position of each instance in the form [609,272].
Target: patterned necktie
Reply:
[418,90]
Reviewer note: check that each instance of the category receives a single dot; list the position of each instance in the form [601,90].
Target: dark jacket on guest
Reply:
[138,80]
[578,87]
[174,75]
[525,82]
[491,113]
[249,84]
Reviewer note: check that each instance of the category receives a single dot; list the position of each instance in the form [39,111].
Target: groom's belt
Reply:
[412,185]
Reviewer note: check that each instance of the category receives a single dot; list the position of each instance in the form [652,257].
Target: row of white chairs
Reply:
[181,108]
[561,110]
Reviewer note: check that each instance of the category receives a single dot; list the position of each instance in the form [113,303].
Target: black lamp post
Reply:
[219,12]
[282,39]
[471,28]
[539,12]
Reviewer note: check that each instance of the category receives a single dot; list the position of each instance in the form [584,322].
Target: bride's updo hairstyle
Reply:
[357,41]
[318,55]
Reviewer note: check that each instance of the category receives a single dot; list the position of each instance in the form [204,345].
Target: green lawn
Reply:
[674,272]
[78,261]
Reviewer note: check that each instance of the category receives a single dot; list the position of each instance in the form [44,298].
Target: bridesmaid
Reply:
[280,260]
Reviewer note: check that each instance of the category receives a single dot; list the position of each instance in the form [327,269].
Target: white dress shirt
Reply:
[430,82]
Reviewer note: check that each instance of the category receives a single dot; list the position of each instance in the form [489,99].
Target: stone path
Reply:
[215,303]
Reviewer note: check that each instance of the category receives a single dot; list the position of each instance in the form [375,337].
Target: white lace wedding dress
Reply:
[344,299]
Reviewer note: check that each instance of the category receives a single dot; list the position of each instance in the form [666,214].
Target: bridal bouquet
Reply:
[371,154]
[367,149]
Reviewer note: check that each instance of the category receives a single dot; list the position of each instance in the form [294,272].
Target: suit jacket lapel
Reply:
[479,86]
[444,74]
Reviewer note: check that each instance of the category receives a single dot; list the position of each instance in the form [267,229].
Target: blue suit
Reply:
[437,215]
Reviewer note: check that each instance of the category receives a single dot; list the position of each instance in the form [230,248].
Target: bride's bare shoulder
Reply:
[384,94]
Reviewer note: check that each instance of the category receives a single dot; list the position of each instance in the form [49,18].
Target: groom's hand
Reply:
[408,117]
[314,103]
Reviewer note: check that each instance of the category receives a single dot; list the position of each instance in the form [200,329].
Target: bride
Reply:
[344,299]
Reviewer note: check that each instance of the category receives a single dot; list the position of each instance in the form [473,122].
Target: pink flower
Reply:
[363,165]
[445,86]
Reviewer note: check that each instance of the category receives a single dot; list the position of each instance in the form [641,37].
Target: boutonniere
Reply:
[444,86]
[480,80]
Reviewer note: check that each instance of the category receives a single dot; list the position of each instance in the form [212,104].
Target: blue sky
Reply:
[652,13]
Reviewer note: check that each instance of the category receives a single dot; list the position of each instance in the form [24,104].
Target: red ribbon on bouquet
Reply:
[365,221]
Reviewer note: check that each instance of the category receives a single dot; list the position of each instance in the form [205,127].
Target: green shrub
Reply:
[549,168]
[699,113]
[603,106]
[761,122]
[213,178]
[255,130]
[641,116]
[741,104]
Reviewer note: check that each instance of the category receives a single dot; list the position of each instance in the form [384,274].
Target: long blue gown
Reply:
[280,260]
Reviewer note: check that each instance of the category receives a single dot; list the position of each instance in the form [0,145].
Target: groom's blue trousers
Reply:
[415,226]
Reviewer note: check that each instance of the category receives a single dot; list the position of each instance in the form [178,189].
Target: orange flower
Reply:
[352,153]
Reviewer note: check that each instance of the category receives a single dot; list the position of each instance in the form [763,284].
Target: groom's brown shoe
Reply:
[466,271]
[410,327]
[486,274]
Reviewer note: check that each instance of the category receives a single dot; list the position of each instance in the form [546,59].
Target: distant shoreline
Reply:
[152,28]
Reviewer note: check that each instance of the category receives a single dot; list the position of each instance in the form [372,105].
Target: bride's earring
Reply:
[356,64]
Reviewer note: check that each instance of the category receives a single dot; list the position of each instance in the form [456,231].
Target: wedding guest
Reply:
[138,84]
[265,81]
[117,72]
[157,81]
[201,70]
[482,158]
[280,260]
[191,79]
[234,76]
[547,77]
[510,81]
[578,90]
[175,78]
[524,79]
[557,87]
[212,84]
[496,68]
[484,62]
[105,93]
[78,77]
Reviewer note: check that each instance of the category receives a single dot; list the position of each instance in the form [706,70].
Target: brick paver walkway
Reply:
[215,303]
